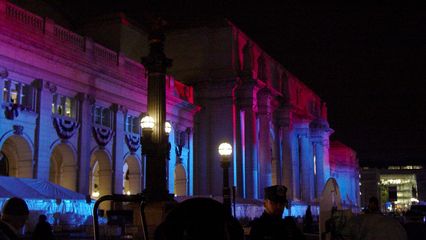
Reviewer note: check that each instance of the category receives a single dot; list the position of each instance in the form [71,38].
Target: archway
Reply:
[63,167]
[180,180]
[100,174]
[18,154]
[131,175]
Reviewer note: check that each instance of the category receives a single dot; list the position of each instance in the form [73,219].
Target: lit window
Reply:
[132,124]
[19,93]
[64,106]
[101,116]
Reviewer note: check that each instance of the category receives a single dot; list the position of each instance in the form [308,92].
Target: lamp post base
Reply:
[154,214]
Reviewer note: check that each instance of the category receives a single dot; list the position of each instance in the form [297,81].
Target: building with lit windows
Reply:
[397,187]
[75,105]
[71,110]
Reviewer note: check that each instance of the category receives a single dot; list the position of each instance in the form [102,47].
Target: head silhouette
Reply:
[199,218]
[15,212]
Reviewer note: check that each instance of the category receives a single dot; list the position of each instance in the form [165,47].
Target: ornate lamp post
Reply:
[156,150]
[225,151]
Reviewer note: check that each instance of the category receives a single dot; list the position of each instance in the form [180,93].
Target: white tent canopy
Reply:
[28,188]
[44,197]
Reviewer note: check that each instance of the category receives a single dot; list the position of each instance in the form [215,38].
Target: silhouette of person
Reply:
[373,225]
[199,218]
[270,224]
[414,226]
[14,215]
[308,220]
[43,230]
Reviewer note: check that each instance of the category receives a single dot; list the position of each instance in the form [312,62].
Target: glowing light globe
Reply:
[225,149]
[168,128]
[147,122]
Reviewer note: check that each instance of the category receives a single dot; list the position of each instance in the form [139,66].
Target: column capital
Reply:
[85,97]
[116,107]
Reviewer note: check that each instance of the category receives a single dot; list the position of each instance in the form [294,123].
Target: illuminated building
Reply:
[71,110]
[278,126]
[397,187]
[344,168]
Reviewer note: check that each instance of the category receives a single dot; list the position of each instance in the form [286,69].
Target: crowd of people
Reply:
[205,218]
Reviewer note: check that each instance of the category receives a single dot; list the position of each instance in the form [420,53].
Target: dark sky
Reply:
[368,62]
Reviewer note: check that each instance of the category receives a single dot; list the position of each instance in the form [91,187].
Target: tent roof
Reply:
[35,189]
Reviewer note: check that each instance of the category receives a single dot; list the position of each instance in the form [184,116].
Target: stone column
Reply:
[119,113]
[190,165]
[43,128]
[238,134]
[286,150]
[306,159]
[320,133]
[265,148]
[245,100]
[85,103]
[250,152]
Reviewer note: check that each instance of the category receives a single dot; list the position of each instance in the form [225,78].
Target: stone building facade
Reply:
[344,167]
[277,125]
[70,110]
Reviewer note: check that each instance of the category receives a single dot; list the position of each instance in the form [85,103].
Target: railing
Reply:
[105,55]
[101,54]
[68,36]
[22,16]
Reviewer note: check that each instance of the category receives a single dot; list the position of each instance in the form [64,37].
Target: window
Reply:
[64,106]
[101,116]
[19,93]
[132,124]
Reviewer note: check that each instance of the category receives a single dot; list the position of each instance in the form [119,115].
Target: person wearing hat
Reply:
[271,225]
[13,217]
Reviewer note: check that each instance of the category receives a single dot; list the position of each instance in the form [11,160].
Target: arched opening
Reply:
[100,174]
[180,180]
[63,167]
[17,157]
[131,176]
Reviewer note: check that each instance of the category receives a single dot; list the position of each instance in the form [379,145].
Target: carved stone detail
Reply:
[65,128]
[50,86]
[133,142]
[102,135]
[18,129]
[3,73]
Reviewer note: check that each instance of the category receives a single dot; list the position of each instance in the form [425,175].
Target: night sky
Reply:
[368,62]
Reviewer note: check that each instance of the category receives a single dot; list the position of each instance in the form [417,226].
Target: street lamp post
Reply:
[156,64]
[225,151]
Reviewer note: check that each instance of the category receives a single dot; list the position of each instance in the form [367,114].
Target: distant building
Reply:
[345,169]
[397,187]
[89,100]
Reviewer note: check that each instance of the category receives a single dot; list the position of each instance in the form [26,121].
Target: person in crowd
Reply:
[414,226]
[13,217]
[199,218]
[43,230]
[373,225]
[271,225]
[308,220]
